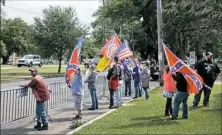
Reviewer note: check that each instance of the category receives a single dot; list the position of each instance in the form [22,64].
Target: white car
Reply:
[29,60]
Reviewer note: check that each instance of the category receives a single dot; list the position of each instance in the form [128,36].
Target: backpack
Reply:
[110,71]
[128,75]
[120,73]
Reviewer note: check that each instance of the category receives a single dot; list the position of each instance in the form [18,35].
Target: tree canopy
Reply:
[57,32]
[187,25]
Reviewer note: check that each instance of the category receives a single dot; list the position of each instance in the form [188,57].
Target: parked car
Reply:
[91,61]
[29,60]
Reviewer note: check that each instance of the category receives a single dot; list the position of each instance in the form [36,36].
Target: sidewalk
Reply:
[61,118]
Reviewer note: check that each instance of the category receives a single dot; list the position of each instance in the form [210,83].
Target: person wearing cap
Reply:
[42,94]
[77,87]
[91,80]
[209,71]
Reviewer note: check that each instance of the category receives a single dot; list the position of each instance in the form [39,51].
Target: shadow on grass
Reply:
[215,110]
[218,95]
[150,122]
[147,118]
[191,108]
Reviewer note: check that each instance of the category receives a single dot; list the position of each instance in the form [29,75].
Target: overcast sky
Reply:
[30,8]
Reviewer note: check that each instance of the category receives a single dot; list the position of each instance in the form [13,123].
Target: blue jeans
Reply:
[41,112]
[137,89]
[146,93]
[111,94]
[128,87]
[180,97]
[94,98]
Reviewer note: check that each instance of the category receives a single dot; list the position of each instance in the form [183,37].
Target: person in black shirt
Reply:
[181,96]
[209,71]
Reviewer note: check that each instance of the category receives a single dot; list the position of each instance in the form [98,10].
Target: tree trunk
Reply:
[5,60]
[60,62]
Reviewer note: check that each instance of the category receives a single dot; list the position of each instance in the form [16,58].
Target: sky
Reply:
[30,8]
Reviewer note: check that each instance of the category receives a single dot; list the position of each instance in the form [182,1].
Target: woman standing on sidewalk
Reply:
[145,79]
[91,79]
[168,90]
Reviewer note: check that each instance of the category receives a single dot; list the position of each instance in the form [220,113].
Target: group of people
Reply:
[209,72]
[119,74]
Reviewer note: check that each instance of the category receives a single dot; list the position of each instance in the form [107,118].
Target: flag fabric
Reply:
[113,45]
[73,63]
[104,50]
[103,64]
[195,82]
[108,51]
[123,51]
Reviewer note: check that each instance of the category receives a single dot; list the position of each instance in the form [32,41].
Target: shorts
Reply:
[77,101]
[167,94]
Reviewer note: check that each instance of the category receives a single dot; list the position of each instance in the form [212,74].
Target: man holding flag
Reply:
[75,79]
[188,82]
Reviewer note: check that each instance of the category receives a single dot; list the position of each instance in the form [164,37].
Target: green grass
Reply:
[147,117]
[16,73]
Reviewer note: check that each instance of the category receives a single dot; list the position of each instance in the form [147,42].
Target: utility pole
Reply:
[160,39]
[3,2]
[104,22]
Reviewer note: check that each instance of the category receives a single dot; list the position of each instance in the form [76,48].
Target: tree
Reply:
[57,32]
[3,49]
[187,25]
[15,36]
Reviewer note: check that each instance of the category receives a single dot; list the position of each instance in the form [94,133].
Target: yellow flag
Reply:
[103,64]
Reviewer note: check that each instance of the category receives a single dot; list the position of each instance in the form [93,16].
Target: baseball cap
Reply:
[33,70]
[209,54]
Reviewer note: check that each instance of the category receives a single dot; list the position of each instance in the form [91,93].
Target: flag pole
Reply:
[160,39]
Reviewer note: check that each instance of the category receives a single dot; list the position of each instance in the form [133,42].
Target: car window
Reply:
[27,57]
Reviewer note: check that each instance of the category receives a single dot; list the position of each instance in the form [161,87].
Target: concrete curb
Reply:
[101,116]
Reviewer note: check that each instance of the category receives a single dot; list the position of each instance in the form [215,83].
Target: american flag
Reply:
[195,82]
[123,51]
[73,63]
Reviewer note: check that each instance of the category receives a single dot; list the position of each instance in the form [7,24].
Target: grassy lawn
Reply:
[147,117]
[16,73]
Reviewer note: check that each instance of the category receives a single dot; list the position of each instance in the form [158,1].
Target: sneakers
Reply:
[77,117]
[91,109]
[206,104]
[44,127]
[195,105]
[38,126]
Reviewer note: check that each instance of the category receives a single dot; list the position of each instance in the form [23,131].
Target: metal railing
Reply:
[14,107]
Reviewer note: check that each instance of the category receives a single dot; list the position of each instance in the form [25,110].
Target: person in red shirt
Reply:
[42,94]
[113,80]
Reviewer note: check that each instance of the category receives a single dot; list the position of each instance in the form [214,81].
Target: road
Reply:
[13,85]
